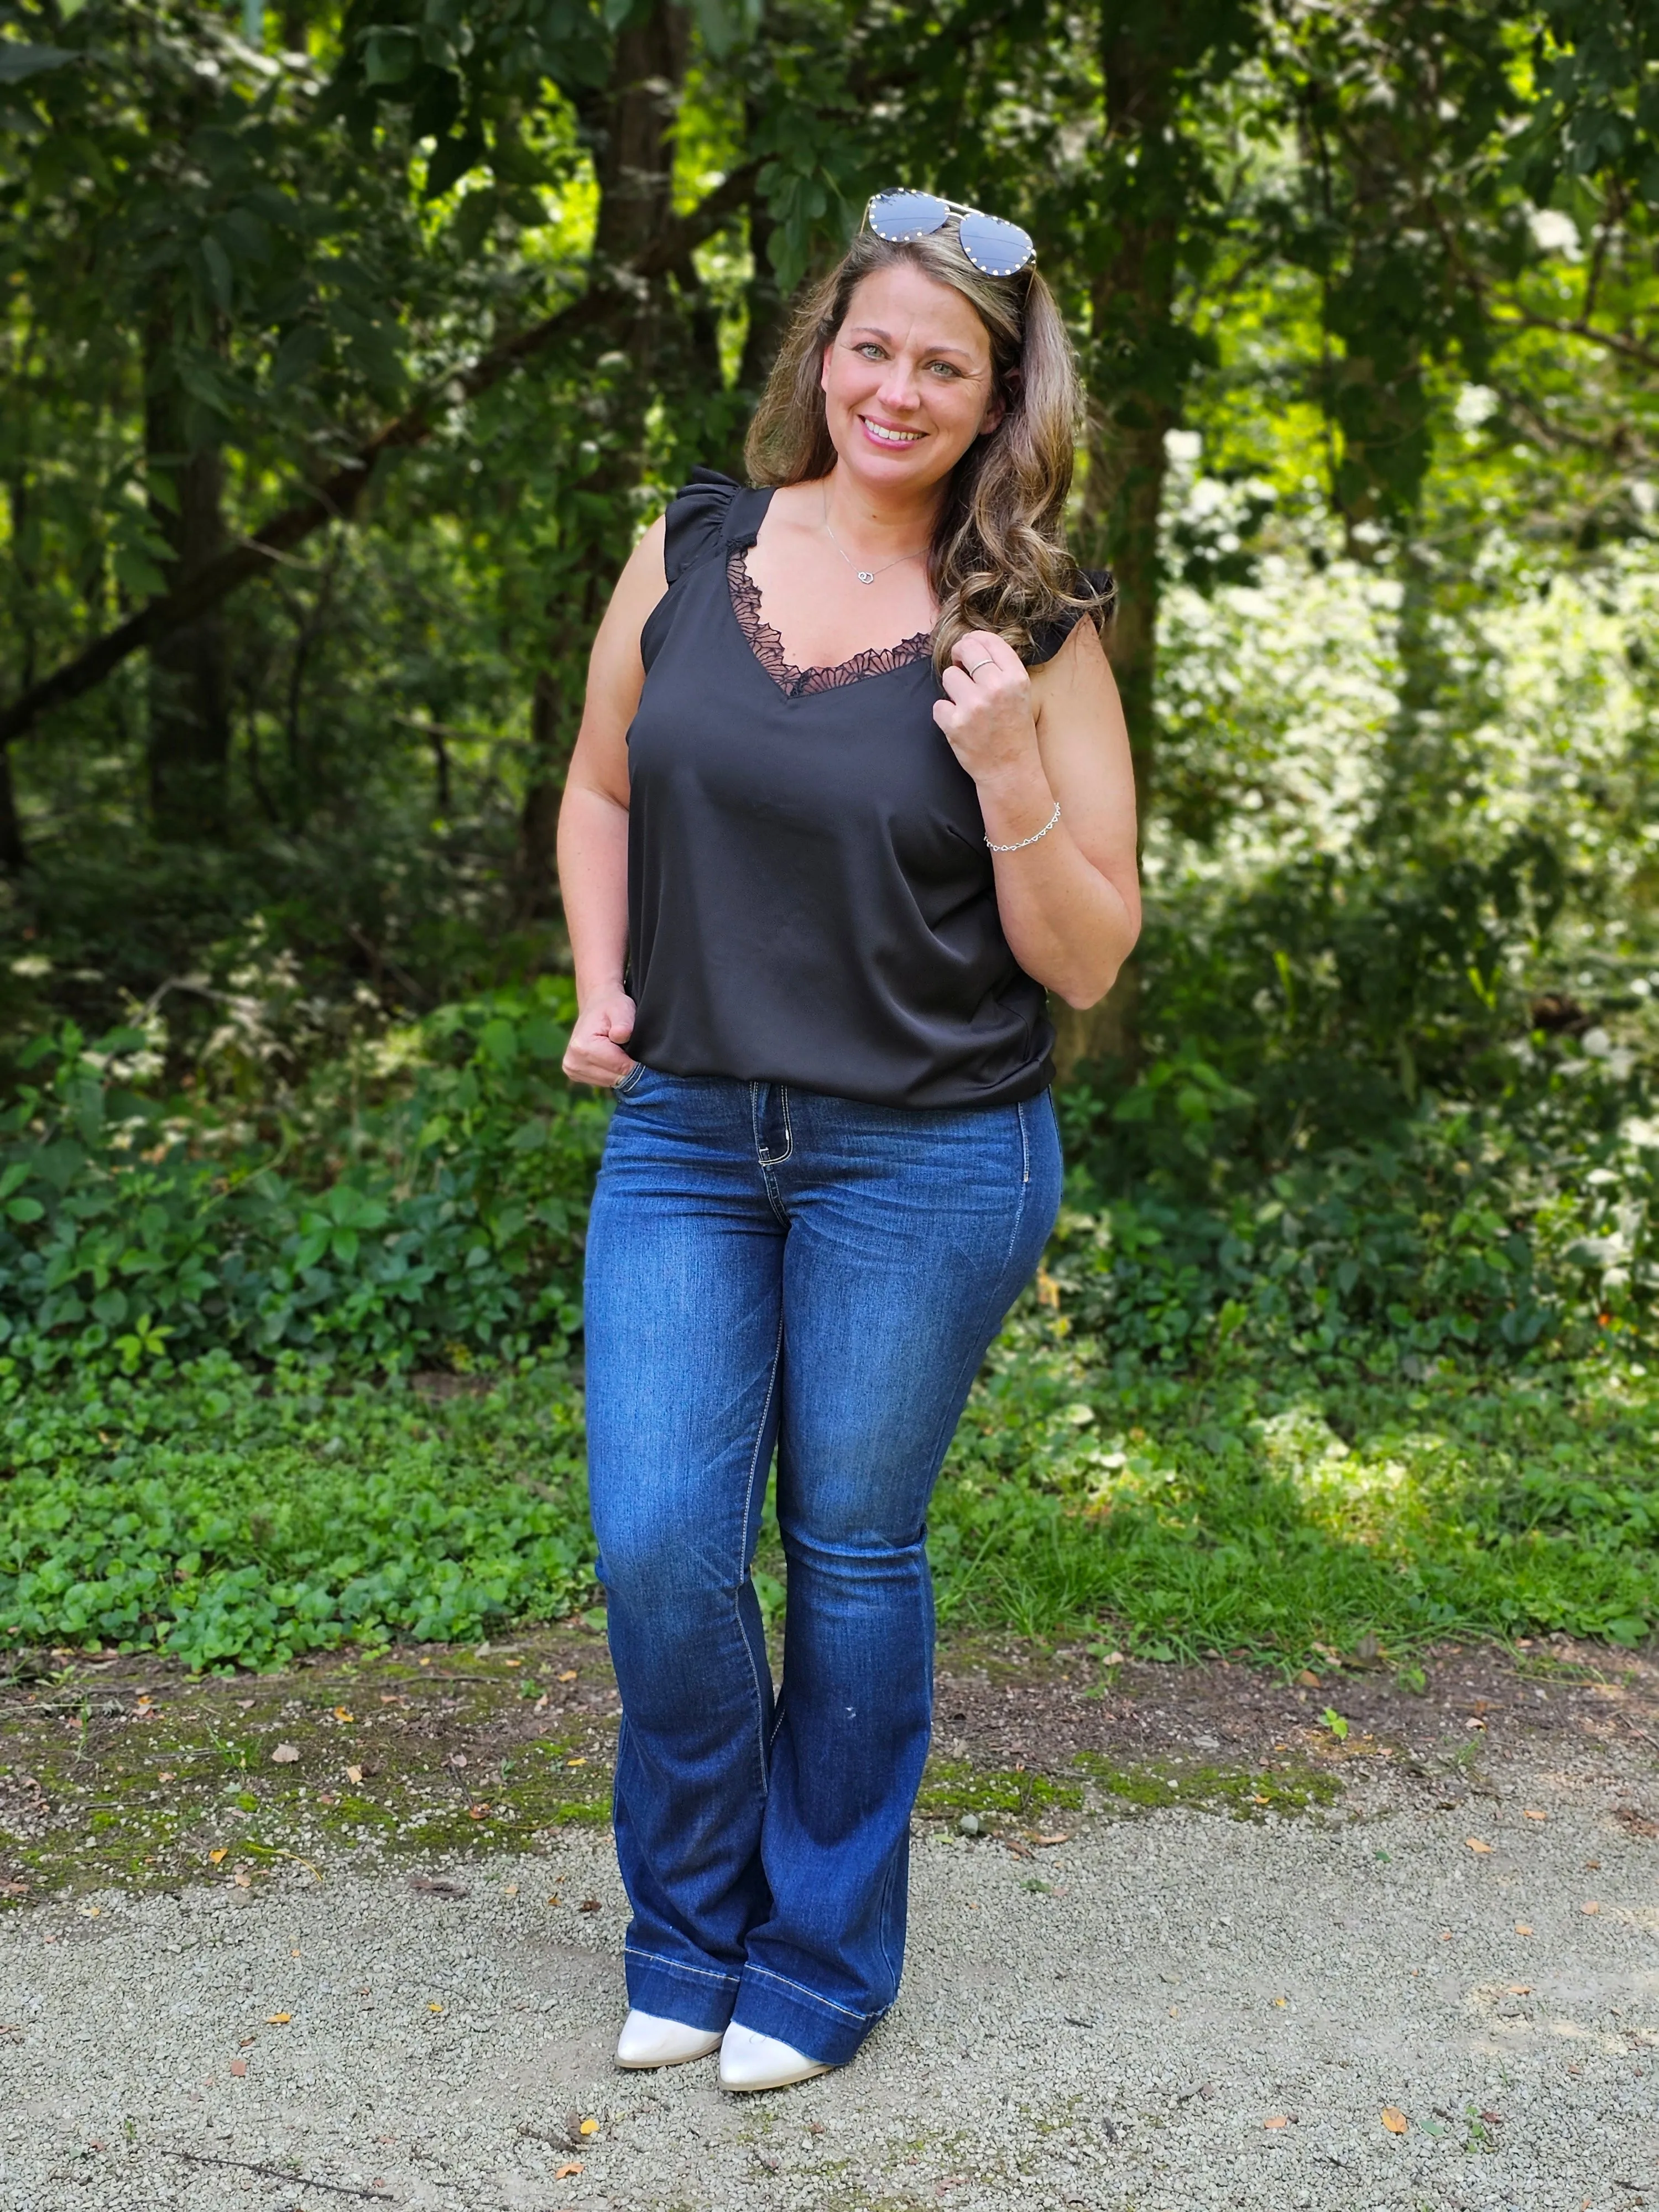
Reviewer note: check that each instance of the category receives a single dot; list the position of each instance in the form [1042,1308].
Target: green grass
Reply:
[232,1519]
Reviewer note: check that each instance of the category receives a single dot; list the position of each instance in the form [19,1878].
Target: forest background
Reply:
[344,353]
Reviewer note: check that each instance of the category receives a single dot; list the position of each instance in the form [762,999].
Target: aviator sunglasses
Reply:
[996,248]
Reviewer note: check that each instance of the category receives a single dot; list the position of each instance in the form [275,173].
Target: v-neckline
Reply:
[766,645]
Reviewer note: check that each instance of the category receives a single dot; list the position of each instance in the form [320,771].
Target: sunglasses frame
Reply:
[957,208]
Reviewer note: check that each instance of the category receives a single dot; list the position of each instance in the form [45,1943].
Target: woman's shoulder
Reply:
[1098,591]
[708,511]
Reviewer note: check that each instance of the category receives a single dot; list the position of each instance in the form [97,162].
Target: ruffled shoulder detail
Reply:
[698,520]
[1047,638]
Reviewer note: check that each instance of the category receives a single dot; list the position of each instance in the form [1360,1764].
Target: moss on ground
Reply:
[130,1774]
[104,1782]
[1244,1793]
[954,1786]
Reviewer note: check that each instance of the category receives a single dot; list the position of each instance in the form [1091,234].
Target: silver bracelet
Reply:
[1034,836]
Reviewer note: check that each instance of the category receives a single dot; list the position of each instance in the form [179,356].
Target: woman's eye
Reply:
[870,350]
[943,367]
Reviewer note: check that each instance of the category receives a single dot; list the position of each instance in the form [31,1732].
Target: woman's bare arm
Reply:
[593,824]
[1070,903]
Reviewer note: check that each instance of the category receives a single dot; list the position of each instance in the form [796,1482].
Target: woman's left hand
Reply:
[986,715]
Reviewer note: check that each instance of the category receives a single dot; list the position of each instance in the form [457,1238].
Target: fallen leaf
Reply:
[590,2128]
[1591,1906]
[509,1889]
[1531,1813]
[1308,1679]
[243,1880]
[575,1762]
[477,1812]
[238,2068]
[1492,2119]
[341,1714]
[285,1754]
[1394,2120]
[1522,1929]
[167,1778]
[1475,1843]
[433,2008]
[1281,2003]
[1592,1866]
[1276,2120]
[1520,1989]
[588,1905]
[218,1857]
[353,1774]
[278,2018]
[457,1758]
[573,2166]
[569,1675]
[438,1885]
[92,1912]
[1051,1839]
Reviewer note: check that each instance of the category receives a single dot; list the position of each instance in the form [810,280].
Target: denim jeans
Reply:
[771,1266]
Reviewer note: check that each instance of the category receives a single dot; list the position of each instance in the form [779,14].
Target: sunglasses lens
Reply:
[996,247]
[895,215]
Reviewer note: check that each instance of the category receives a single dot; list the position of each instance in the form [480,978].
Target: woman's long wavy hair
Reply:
[997,561]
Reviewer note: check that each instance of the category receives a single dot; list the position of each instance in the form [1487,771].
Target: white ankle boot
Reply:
[648,2040]
[749,2061]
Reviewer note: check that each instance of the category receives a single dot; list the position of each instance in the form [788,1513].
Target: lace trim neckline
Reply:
[767,645]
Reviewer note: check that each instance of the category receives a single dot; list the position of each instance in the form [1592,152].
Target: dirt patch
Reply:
[127,1772]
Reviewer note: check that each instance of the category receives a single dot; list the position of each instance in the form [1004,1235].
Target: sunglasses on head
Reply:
[996,248]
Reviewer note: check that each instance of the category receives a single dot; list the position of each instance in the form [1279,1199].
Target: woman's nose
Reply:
[898,386]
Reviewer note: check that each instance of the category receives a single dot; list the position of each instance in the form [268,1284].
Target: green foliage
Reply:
[225,1519]
[450,1228]
[235,1520]
[1250,1509]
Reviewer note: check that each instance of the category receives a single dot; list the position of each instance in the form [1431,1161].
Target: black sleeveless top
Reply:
[810,897]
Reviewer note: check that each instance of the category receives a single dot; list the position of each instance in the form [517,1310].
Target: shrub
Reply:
[443,1224]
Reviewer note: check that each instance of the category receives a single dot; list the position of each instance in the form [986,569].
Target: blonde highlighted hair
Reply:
[997,561]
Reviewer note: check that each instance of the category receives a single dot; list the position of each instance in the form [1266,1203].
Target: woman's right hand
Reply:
[594,1053]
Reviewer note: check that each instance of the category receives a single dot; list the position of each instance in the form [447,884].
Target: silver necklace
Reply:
[864,575]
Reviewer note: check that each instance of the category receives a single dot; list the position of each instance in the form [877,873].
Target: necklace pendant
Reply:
[866,575]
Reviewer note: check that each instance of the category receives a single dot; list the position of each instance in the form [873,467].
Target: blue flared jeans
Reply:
[768,1266]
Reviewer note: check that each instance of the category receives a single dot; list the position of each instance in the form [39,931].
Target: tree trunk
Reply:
[630,128]
[1140,360]
[13,852]
[189,695]
[538,821]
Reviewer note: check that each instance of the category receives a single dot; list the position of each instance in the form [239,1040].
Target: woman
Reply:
[851,789]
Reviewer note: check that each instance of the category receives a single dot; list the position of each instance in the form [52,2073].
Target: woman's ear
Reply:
[997,406]
[824,364]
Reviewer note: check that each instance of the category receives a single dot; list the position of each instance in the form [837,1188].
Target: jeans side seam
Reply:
[762,1744]
[971,1360]
[677,1965]
[801,1989]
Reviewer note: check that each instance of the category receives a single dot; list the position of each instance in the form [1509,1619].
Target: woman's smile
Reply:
[889,434]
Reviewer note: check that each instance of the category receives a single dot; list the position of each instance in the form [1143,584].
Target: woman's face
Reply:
[907,381]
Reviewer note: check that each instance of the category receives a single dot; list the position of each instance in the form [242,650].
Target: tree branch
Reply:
[1627,348]
[338,500]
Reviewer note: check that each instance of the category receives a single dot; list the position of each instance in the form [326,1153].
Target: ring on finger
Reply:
[977,664]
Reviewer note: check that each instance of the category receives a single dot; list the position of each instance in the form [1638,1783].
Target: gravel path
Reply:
[1162,2014]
